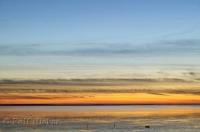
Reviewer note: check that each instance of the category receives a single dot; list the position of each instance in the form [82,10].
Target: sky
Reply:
[70,39]
[154,46]
[98,91]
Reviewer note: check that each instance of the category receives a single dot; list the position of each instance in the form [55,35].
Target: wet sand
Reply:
[176,118]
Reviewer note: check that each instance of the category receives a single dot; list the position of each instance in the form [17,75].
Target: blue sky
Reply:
[105,30]
[83,21]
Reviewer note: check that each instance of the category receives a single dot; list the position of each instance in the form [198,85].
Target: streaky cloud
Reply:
[106,86]
[180,46]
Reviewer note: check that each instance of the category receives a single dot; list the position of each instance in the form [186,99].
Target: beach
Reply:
[162,118]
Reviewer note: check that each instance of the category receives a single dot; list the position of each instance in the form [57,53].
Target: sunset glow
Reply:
[100,92]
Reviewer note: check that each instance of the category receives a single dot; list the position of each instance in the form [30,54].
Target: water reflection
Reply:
[100,118]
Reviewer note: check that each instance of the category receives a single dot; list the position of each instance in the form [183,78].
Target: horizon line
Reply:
[98,104]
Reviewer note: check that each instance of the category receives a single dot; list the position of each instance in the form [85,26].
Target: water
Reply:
[150,118]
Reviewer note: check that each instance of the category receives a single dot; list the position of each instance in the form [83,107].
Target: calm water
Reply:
[182,118]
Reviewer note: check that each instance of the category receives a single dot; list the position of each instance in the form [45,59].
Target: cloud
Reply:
[36,96]
[105,86]
[181,46]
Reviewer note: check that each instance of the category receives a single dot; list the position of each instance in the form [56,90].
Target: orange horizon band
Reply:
[101,98]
